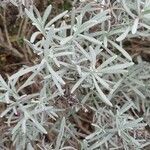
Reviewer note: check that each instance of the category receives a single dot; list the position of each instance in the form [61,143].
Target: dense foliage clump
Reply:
[86,90]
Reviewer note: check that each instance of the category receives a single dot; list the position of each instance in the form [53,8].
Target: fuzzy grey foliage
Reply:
[82,49]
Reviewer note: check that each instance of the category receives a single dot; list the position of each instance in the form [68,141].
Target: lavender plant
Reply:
[81,52]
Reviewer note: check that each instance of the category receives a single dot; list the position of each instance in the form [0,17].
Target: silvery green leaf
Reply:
[100,142]
[7,99]
[144,145]
[37,13]
[145,26]
[129,138]
[2,81]
[123,35]
[5,112]
[82,50]
[79,69]
[127,8]
[57,85]
[137,123]
[68,148]
[61,134]
[137,91]
[147,3]
[79,19]
[66,40]
[116,86]
[49,110]
[115,31]
[85,26]
[92,135]
[23,71]
[63,54]
[66,64]
[47,13]
[86,97]
[107,62]
[135,26]
[32,46]
[125,107]
[54,74]
[24,125]
[56,61]
[29,147]
[55,19]
[91,39]
[14,2]
[102,82]
[102,95]
[63,29]
[78,83]
[125,54]
[105,41]
[25,85]
[18,125]
[101,15]
[72,19]
[146,11]
[30,80]
[38,125]
[35,21]
[34,35]
[113,69]
[93,56]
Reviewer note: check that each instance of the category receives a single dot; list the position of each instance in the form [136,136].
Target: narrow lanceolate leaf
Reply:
[102,82]
[29,147]
[87,25]
[37,124]
[125,107]
[58,85]
[127,9]
[91,39]
[30,14]
[22,72]
[66,40]
[116,67]
[124,53]
[102,95]
[78,83]
[5,112]
[135,26]
[24,125]
[63,54]
[34,35]
[97,145]
[2,81]
[93,56]
[105,41]
[82,50]
[55,19]
[123,35]
[61,134]
[14,3]
[107,62]
[54,74]
[145,26]
[68,148]
[18,125]
[46,13]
